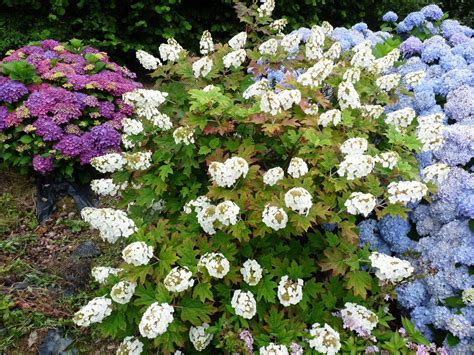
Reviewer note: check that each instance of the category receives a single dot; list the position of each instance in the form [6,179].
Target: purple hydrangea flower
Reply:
[411,46]
[48,129]
[3,117]
[11,90]
[460,104]
[70,145]
[42,165]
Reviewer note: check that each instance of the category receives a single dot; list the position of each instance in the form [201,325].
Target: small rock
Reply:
[54,343]
[20,285]
[88,249]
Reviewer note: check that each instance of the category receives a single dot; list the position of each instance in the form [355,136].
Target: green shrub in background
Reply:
[122,26]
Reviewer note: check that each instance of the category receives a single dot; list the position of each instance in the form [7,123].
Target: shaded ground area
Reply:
[45,274]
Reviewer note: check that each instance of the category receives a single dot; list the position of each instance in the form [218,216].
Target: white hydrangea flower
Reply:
[104,187]
[388,82]
[290,292]
[227,213]
[202,67]
[401,118]
[356,166]
[327,28]
[244,304]
[108,163]
[147,60]
[226,174]
[131,126]
[216,264]
[273,175]
[138,160]
[468,296]
[184,135]
[206,218]
[299,200]
[414,78]
[359,319]
[179,279]
[290,42]
[384,64]
[363,57]
[279,25]
[94,312]
[360,203]
[432,119]
[347,96]
[234,59]
[210,87]
[387,159]
[313,49]
[288,98]
[198,204]
[146,103]
[251,272]
[270,103]
[266,8]
[112,224]
[333,116]
[406,191]
[334,52]
[274,349]
[238,41]
[130,346]
[269,47]
[102,273]
[354,146]
[436,172]
[316,75]
[155,320]
[274,217]
[311,109]
[199,337]
[373,111]
[137,253]
[170,50]
[318,35]
[257,89]
[158,206]
[389,268]
[351,75]
[297,168]
[123,291]
[206,45]
[430,135]
[127,142]
[325,339]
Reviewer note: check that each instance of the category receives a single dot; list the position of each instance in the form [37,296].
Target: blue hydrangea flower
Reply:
[390,17]
[412,295]
[411,46]
[361,27]
[460,104]
[432,12]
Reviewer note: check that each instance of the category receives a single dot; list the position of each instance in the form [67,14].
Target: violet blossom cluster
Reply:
[70,113]
[437,238]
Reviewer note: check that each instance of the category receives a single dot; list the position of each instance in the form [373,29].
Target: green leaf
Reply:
[266,289]
[359,282]
[26,139]
[195,311]
[167,258]
[203,291]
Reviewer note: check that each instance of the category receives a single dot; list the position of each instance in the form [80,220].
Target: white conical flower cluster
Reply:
[372,111]
[137,253]
[273,175]
[388,82]
[199,337]
[347,96]
[274,217]
[352,75]
[297,168]
[226,213]
[316,75]
[130,346]
[155,320]
[244,304]
[108,163]
[104,187]
[269,47]
[360,203]
[334,52]
[206,45]
[226,174]
[359,319]
[123,291]
[138,160]
[102,273]
[363,57]
[238,41]
[356,166]
[131,126]
[274,103]
[234,58]
[325,339]
[384,64]
[146,104]
[93,312]
[112,224]
[333,116]
[147,60]
[389,268]
[354,146]
[171,50]
[413,78]
[179,279]
[436,172]
[401,118]
[266,9]
[251,272]
[406,191]
[216,264]
[273,349]
[431,136]
[184,135]
[202,67]
[290,292]
[299,200]
[387,159]
[198,204]
[257,89]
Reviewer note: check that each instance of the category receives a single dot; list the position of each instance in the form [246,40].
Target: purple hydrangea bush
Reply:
[60,106]
[438,238]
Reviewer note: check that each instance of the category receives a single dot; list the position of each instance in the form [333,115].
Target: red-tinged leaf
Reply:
[334,262]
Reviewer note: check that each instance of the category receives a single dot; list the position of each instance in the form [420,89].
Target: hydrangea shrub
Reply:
[60,106]
[246,176]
